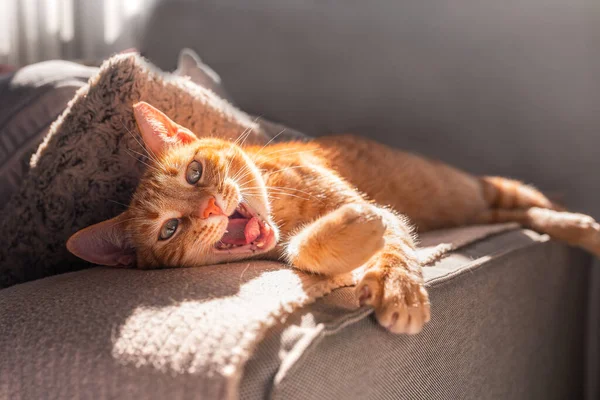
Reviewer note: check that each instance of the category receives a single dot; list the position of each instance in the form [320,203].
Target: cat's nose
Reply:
[211,208]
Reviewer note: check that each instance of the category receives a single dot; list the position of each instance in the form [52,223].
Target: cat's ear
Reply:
[159,131]
[105,243]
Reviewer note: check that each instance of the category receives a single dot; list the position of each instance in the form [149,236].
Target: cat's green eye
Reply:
[193,172]
[168,229]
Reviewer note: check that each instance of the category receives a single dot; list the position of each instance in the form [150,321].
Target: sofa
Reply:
[495,89]
[508,322]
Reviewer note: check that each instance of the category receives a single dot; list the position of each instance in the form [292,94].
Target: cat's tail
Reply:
[503,193]
[513,201]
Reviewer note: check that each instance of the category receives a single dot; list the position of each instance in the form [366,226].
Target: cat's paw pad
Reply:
[400,300]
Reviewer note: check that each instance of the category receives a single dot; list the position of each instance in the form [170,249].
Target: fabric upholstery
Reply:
[502,328]
[77,334]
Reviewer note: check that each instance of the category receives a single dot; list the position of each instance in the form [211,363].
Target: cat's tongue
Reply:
[241,231]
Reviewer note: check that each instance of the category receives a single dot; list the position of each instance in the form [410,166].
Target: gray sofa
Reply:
[508,322]
[496,89]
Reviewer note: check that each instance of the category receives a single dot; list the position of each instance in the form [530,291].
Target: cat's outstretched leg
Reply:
[393,282]
[576,229]
[339,241]
[363,234]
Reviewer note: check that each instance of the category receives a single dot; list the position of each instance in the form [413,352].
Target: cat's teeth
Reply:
[260,245]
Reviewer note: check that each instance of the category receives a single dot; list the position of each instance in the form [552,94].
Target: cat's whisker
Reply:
[140,154]
[297,195]
[143,162]
[127,220]
[244,271]
[269,189]
[251,130]
[131,153]
[288,154]
[246,133]
[269,142]
[247,168]
[247,171]
[280,188]
[285,169]
[244,169]
[279,194]
[290,151]
[286,194]
[151,154]
[131,207]
[241,139]
[116,202]
[243,136]
[282,197]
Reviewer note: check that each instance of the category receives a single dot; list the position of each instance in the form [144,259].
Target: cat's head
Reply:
[201,201]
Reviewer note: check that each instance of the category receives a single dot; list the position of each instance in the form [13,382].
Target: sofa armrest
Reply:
[508,321]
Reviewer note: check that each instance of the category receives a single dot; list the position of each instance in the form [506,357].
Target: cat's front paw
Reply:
[400,300]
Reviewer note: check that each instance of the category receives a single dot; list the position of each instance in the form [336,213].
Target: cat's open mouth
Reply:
[246,232]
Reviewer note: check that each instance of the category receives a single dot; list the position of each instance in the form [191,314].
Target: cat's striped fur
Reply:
[329,205]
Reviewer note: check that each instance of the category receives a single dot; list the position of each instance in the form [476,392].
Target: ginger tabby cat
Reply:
[326,206]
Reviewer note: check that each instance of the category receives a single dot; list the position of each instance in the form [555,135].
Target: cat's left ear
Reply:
[105,243]
[159,131]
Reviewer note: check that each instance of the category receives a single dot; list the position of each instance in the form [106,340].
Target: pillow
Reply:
[89,163]
[189,64]
[30,100]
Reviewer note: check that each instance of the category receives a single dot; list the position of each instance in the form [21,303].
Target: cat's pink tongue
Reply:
[252,230]
[241,231]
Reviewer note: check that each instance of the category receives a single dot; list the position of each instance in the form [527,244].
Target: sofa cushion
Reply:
[190,65]
[80,332]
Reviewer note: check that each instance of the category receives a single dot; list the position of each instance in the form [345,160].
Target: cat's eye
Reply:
[168,229]
[193,172]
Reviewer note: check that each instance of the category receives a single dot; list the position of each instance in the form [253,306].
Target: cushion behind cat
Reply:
[89,163]
[191,66]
